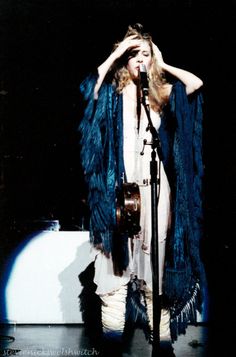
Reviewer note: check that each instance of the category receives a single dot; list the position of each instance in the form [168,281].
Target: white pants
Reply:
[113,313]
[113,310]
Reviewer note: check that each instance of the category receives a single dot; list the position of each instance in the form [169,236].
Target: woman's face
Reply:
[138,56]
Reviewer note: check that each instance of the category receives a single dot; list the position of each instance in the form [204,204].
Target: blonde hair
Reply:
[157,81]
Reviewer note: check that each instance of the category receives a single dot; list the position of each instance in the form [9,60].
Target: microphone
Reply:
[144,82]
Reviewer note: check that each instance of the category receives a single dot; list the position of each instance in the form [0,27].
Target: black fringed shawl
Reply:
[101,130]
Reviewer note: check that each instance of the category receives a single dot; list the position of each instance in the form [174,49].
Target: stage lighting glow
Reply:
[43,284]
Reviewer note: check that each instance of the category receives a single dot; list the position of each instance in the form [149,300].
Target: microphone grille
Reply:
[143,68]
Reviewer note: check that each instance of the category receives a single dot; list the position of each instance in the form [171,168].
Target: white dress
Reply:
[138,170]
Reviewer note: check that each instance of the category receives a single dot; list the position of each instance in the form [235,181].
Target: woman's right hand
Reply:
[131,42]
[128,43]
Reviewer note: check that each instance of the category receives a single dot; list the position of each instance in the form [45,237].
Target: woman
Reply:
[113,130]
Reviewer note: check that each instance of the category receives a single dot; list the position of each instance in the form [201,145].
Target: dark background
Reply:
[46,49]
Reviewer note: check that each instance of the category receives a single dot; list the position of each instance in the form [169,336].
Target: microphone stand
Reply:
[156,147]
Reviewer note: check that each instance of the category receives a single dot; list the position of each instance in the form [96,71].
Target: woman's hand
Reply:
[128,43]
[189,79]
[158,55]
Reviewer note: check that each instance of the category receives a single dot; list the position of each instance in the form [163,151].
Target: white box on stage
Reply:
[43,284]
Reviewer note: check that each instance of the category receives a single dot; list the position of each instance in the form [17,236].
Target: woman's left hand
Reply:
[158,55]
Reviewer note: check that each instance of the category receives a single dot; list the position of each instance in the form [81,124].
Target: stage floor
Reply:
[71,340]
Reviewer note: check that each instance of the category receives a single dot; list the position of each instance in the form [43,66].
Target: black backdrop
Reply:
[47,47]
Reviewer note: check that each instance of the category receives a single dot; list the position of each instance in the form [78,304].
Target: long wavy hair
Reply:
[157,80]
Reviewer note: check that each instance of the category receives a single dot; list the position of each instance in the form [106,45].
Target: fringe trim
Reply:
[136,308]
[186,315]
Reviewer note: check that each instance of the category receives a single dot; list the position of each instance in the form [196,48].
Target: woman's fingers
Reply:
[128,43]
[157,53]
